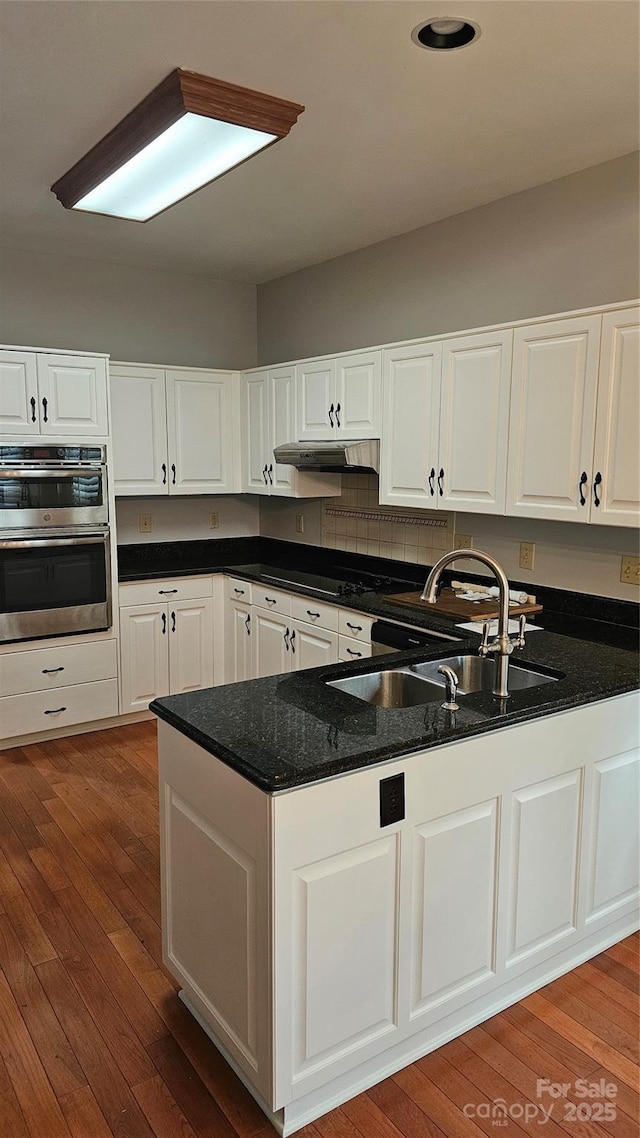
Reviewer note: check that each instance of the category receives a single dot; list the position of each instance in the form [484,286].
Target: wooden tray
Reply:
[448,604]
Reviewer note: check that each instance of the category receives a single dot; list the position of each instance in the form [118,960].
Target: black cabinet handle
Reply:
[596,482]
[309,613]
[352,652]
[337,414]
[166,592]
[293,637]
[432,475]
[270,472]
[247,624]
[164,623]
[441,481]
[164,474]
[55,711]
[51,671]
[264,475]
[583,480]
[44,408]
[33,409]
[173,622]
[331,414]
[286,639]
[270,600]
[173,472]
[240,592]
[354,627]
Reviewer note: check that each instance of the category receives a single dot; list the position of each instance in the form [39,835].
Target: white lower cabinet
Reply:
[363,945]
[166,647]
[271,650]
[238,642]
[46,688]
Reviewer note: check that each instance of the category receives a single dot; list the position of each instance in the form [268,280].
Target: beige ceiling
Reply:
[393,137]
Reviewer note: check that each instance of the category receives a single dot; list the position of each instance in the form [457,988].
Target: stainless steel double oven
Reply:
[55,559]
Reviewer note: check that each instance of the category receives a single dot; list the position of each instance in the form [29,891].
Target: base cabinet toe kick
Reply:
[326,936]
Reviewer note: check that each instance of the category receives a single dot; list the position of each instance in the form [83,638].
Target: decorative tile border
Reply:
[380,515]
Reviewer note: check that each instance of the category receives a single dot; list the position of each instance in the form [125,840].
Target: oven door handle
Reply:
[59,472]
[36,543]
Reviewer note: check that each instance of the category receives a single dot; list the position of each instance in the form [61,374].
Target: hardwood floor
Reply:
[94,1042]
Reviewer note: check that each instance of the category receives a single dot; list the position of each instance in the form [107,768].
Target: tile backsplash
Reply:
[356,522]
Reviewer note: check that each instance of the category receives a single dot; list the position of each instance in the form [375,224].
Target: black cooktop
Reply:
[350,583]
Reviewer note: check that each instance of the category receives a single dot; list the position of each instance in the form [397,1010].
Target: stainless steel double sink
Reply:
[423,683]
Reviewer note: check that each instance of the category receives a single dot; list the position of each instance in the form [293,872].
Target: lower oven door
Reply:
[54,584]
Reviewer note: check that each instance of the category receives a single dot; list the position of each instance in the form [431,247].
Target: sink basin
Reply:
[396,687]
[423,683]
[477,673]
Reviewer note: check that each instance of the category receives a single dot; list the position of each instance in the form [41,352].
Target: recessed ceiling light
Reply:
[445,33]
[189,131]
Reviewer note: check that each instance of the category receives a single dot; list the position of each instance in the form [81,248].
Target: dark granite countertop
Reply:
[287,731]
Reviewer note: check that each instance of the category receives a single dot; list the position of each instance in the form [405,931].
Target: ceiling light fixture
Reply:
[445,33]
[189,131]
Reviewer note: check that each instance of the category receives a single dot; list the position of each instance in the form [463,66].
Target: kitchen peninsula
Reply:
[346,887]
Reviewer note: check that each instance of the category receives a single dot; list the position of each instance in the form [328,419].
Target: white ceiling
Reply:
[393,137]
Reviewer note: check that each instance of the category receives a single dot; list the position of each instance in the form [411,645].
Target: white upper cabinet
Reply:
[616,456]
[552,422]
[339,398]
[42,394]
[411,411]
[174,431]
[269,418]
[474,423]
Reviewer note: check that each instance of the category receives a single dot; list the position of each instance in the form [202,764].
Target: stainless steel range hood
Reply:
[336,457]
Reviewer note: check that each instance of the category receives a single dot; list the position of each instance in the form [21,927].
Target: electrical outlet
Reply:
[527,554]
[630,570]
[299,523]
[214,520]
[463,541]
[144,523]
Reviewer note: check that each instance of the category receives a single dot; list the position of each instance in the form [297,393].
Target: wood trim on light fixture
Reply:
[181,92]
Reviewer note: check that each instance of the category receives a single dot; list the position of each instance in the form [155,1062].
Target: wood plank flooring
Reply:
[94,1042]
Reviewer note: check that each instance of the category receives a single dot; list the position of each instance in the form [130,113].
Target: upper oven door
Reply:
[36,497]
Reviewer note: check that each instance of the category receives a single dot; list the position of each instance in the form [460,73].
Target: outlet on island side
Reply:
[391,799]
[527,554]
[144,523]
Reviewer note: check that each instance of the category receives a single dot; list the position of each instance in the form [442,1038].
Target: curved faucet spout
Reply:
[502,645]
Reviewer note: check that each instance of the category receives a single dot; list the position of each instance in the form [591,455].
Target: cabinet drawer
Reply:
[354,624]
[45,710]
[238,590]
[350,649]
[165,589]
[315,612]
[274,600]
[46,668]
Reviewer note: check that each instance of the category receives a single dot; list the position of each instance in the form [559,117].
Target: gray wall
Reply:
[568,244]
[133,314]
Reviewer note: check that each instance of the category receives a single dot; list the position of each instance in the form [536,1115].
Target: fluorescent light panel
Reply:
[190,153]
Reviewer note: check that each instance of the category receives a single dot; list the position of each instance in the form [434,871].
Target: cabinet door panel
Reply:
[544,864]
[18,387]
[474,422]
[256,433]
[144,655]
[552,421]
[139,431]
[453,938]
[271,652]
[238,642]
[614,856]
[344,986]
[315,394]
[283,427]
[617,446]
[312,647]
[75,390]
[411,408]
[190,645]
[201,433]
[358,383]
